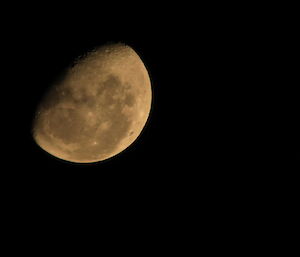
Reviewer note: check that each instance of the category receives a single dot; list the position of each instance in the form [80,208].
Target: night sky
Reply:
[205,136]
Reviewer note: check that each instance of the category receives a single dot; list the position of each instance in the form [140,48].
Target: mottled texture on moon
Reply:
[97,109]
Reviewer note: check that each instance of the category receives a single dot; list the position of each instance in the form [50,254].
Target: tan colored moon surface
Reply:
[98,109]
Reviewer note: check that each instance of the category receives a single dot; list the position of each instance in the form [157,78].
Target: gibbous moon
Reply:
[97,109]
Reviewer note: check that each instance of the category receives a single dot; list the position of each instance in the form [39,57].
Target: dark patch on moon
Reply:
[129,100]
[112,83]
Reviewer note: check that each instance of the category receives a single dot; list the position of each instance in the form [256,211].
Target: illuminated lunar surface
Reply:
[98,109]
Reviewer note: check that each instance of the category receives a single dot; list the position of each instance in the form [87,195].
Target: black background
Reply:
[196,151]
[138,186]
[195,60]
[39,45]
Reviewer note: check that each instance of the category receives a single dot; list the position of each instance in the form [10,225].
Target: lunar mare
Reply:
[98,109]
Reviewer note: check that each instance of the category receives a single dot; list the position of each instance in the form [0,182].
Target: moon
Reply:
[98,108]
